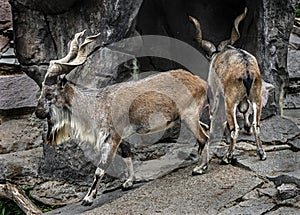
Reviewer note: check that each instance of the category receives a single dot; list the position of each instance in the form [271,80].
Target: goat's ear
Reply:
[62,81]
[267,89]
[268,86]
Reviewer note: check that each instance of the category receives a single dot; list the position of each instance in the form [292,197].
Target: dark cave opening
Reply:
[170,18]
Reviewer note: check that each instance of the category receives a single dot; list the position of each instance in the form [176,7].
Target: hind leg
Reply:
[256,130]
[194,125]
[234,131]
[204,159]
[127,156]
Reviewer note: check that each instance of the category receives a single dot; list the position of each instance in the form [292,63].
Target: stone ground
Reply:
[224,190]
[249,186]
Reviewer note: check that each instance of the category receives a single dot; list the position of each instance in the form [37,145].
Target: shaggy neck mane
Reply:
[58,125]
[64,124]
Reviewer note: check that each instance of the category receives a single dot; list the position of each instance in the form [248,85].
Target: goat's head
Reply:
[55,97]
[53,82]
[208,46]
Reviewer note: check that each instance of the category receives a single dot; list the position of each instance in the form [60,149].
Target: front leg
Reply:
[91,194]
[107,152]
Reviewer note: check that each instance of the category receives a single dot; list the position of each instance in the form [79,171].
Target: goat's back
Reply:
[235,71]
[168,94]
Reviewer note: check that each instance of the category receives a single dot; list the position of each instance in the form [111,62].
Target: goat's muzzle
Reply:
[41,112]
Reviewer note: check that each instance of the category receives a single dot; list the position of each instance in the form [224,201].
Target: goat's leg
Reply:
[107,153]
[234,131]
[127,156]
[217,120]
[256,130]
[91,194]
[204,159]
[193,124]
[226,133]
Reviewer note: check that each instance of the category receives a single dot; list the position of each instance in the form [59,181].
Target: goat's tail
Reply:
[247,81]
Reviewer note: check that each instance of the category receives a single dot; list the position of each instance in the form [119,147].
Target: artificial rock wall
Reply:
[43,29]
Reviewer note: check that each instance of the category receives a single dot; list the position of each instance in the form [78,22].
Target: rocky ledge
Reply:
[248,186]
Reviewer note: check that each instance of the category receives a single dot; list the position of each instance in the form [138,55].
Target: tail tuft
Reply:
[247,81]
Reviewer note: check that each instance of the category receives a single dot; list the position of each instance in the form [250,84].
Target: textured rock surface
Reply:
[184,194]
[295,144]
[270,48]
[16,93]
[293,114]
[224,188]
[177,156]
[58,192]
[5,25]
[5,16]
[294,63]
[21,166]
[287,191]
[4,42]
[285,210]
[287,177]
[64,192]
[294,42]
[53,7]
[20,134]
[251,207]
[276,163]
[67,162]
[275,130]
[292,99]
[41,35]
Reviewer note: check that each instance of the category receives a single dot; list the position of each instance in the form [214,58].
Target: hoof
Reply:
[225,161]
[262,154]
[200,170]
[127,185]
[86,202]
[228,160]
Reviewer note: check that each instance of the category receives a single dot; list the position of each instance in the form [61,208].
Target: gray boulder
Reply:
[22,166]
[18,94]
